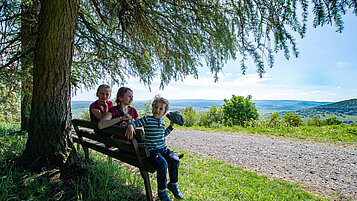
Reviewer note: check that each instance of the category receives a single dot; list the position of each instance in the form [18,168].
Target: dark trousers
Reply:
[162,159]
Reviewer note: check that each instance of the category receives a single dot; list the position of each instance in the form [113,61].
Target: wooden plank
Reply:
[124,156]
[113,130]
[121,144]
[83,123]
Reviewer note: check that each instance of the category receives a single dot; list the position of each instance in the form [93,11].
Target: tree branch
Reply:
[9,43]
[95,3]
[17,57]
[10,18]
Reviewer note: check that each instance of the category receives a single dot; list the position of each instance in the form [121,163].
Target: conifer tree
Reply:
[143,39]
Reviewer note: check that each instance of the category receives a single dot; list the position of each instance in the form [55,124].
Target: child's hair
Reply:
[105,86]
[159,99]
[121,92]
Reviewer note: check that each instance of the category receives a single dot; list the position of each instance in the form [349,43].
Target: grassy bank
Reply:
[332,134]
[200,179]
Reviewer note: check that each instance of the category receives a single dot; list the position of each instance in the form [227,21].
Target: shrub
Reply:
[315,121]
[352,130]
[292,119]
[190,116]
[256,123]
[333,121]
[213,118]
[85,115]
[146,110]
[239,110]
[274,120]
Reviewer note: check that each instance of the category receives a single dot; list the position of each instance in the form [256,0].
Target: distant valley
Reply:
[343,110]
[204,104]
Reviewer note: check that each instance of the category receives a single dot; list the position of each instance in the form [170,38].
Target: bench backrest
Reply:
[127,153]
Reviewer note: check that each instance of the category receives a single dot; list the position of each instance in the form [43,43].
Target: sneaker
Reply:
[175,190]
[163,196]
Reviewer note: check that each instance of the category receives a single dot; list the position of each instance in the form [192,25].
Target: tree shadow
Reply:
[74,181]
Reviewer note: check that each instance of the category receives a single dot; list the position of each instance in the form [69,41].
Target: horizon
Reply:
[221,100]
[324,72]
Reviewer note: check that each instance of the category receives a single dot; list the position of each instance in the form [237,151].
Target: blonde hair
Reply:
[159,99]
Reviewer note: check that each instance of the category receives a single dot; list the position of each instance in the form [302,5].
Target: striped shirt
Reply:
[155,131]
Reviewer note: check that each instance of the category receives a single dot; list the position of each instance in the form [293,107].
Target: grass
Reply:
[332,134]
[212,179]
[200,179]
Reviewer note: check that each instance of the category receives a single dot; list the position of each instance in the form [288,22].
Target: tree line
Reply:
[240,111]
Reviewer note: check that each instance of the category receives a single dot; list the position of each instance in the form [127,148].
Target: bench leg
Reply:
[148,191]
[86,152]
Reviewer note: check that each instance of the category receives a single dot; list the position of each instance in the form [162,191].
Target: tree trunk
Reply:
[48,143]
[29,27]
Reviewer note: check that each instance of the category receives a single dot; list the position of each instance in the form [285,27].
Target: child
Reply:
[121,114]
[161,157]
[100,107]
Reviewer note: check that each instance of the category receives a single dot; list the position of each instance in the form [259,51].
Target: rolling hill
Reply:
[343,110]
[263,106]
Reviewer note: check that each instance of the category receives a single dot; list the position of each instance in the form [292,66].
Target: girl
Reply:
[121,114]
[100,107]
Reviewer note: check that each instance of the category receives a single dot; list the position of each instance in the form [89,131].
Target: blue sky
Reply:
[326,70]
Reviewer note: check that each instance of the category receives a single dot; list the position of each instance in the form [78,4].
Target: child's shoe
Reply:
[175,190]
[163,195]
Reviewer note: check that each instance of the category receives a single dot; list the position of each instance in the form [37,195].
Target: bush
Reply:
[292,119]
[85,115]
[190,116]
[213,118]
[239,110]
[256,124]
[274,120]
[333,121]
[315,121]
[352,130]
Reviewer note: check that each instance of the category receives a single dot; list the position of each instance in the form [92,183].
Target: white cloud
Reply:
[342,63]
[317,92]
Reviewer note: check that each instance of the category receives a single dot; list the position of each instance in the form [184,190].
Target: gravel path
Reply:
[321,169]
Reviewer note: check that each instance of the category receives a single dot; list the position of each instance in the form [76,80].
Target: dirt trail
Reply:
[326,170]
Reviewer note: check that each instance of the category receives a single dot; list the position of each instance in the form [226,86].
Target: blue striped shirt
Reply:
[155,131]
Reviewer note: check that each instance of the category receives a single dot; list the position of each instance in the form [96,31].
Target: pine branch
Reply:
[17,57]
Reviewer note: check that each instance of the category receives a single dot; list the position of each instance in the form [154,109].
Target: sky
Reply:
[326,70]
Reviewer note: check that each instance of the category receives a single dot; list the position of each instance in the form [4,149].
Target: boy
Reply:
[160,155]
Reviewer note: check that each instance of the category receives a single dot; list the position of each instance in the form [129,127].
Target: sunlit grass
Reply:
[199,179]
[211,179]
[334,133]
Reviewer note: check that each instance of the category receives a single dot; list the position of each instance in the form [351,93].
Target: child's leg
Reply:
[173,163]
[160,165]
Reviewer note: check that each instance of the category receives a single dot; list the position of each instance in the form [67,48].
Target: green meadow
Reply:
[200,179]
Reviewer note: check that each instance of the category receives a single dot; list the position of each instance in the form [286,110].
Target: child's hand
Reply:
[130,118]
[172,124]
[127,117]
[130,132]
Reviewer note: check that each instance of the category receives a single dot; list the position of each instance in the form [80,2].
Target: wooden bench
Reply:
[127,151]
